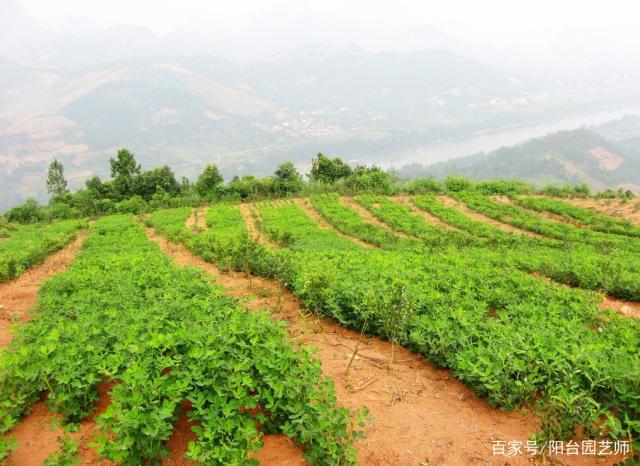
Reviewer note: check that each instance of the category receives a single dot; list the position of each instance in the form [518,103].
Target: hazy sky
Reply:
[505,23]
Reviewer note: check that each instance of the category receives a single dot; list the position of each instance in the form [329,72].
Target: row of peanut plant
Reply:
[564,412]
[574,264]
[163,335]
[584,217]
[615,271]
[513,338]
[521,218]
[31,244]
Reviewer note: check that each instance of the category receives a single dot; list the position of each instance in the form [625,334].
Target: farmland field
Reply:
[29,245]
[486,304]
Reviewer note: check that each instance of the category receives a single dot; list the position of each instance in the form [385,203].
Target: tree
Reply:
[150,182]
[369,179]
[287,179]
[29,212]
[56,183]
[95,186]
[325,170]
[287,172]
[208,180]
[123,168]
[185,185]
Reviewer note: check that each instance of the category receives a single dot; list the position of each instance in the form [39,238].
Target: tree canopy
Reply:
[326,170]
[123,168]
[208,180]
[56,182]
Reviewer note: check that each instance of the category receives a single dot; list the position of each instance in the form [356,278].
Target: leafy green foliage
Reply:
[615,271]
[152,182]
[347,221]
[67,454]
[287,179]
[519,217]
[326,170]
[466,307]
[31,244]
[402,219]
[56,183]
[6,228]
[123,170]
[163,334]
[208,180]
[369,180]
[29,212]
[585,217]
[7,445]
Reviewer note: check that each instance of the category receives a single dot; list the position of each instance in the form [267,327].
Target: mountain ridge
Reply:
[575,156]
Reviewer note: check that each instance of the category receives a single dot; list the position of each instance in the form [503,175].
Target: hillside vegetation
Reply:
[578,156]
[524,298]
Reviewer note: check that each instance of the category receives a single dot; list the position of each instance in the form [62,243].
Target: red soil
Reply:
[197,221]
[306,206]
[629,210]
[19,295]
[38,432]
[450,202]
[421,414]
[608,160]
[248,211]
[368,216]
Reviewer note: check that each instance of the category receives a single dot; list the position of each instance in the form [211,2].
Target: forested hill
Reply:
[576,156]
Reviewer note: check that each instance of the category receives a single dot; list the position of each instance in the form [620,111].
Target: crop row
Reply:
[615,271]
[510,336]
[585,217]
[464,312]
[30,245]
[402,219]
[574,264]
[520,218]
[163,335]
[347,221]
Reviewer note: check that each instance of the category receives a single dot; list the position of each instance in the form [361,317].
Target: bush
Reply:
[62,211]
[134,205]
[369,180]
[494,187]
[611,194]
[29,212]
[557,191]
[457,183]
[423,186]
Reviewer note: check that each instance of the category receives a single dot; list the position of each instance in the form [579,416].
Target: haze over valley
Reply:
[284,91]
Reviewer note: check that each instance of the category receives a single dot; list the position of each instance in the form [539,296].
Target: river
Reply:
[489,140]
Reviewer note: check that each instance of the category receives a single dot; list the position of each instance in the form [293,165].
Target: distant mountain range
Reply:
[170,100]
[603,156]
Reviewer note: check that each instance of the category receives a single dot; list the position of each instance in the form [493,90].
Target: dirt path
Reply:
[248,211]
[432,219]
[197,220]
[37,433]
[421,415]
[20,295]
[629,210]
[305,205]
[369,217]
[473,215]
[543,215]
[626,308]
